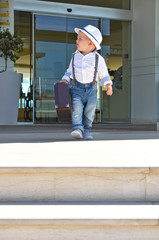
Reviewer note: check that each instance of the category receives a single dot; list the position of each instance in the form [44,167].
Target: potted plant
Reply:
[10,46]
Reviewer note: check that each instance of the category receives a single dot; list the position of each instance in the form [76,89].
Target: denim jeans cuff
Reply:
[78,127]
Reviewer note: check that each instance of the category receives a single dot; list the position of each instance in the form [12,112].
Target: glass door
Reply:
[49,64]
[54,43]
[116,51]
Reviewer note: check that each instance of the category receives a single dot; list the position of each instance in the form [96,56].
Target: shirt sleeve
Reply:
[68,73]
[103,72]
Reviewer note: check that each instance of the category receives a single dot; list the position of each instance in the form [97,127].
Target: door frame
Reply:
[77,10]
[60,9]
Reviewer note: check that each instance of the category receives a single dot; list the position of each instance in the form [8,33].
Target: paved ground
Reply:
[61,132]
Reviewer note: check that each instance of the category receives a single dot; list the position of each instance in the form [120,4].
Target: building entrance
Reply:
[49,42]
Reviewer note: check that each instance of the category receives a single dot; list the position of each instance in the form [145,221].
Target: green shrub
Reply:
[10,46]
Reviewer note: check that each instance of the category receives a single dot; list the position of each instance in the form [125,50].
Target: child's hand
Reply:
[109,90]
[63,80]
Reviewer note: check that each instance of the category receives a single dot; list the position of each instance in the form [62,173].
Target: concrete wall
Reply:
[144,101]
[157,57]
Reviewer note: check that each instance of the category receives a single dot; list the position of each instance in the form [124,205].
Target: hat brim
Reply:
[98,47]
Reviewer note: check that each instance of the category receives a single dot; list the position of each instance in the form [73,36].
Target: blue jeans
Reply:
[83,101]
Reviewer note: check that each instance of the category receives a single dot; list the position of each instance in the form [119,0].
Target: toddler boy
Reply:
[85,67]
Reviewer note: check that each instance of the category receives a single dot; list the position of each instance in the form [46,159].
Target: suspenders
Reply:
[95,70]
[73,68]
[96,66]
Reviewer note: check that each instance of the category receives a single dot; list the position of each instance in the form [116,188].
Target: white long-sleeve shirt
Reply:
[84,66]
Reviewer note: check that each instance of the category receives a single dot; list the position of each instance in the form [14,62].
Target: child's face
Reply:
[84,44]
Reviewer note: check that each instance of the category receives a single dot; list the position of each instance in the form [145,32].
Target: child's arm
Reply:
[63,80]
[108,88]
[104,76]
[68,73]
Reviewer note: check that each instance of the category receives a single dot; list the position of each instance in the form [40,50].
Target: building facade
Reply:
[130,48]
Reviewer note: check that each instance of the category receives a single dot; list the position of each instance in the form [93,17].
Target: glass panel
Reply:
[120,4]
[50,64]
[116,51]
[23,27]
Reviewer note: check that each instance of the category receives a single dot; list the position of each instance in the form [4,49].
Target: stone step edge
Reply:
[110,215]
[51,169]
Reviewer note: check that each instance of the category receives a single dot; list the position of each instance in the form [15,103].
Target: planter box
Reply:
[9,97]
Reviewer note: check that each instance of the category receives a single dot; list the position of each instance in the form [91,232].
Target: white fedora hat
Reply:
[93,33]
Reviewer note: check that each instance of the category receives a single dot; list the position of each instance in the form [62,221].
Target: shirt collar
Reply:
[87,54]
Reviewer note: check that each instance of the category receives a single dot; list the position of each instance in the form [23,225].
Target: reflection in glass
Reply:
[80,23]
[50,23]
[50,63]
[23,28]
[116,51]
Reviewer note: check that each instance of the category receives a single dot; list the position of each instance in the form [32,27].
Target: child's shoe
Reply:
[77,133]
[87,135]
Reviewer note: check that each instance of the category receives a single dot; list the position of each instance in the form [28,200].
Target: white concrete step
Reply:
[79,222]
[80,171]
